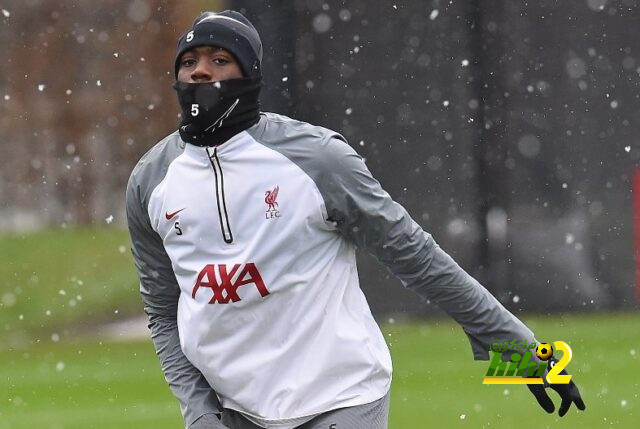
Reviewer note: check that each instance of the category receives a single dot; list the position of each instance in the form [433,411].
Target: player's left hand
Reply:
[569,393]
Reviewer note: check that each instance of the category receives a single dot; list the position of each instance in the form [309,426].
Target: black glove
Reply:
[568,393]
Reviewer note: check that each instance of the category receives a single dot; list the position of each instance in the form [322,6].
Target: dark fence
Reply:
[509,130]
[85,90]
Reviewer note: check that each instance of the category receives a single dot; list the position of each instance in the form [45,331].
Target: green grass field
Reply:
[54,279]
[54,282]
[436,384]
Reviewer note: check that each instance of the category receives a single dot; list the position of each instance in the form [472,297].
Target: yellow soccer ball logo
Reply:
[544,351]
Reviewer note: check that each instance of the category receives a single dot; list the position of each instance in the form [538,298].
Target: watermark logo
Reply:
[521,370]
[501,347]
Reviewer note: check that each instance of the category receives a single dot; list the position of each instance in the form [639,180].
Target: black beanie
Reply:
[229,30]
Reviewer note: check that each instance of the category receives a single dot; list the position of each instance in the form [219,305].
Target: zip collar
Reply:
[234,144]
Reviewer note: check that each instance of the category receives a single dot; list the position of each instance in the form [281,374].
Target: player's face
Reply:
[208,64]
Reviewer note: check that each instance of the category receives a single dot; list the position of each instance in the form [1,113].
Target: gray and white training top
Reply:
[246,258]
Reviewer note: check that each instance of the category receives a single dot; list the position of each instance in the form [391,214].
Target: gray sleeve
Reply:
[366,215]
[160,293]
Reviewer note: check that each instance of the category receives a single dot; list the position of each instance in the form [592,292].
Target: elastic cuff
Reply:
[206,421]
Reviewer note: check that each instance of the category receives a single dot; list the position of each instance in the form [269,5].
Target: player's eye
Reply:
[187,62]
[220,61]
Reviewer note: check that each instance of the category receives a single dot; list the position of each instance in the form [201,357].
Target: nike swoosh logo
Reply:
[170,216]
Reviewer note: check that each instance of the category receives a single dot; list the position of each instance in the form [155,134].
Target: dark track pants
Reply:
[367,416]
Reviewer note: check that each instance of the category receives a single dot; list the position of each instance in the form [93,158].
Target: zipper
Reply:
[222,206]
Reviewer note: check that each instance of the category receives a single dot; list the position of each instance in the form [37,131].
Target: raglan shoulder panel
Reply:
[316,150]
[157,281]
[153,166]
[158,285]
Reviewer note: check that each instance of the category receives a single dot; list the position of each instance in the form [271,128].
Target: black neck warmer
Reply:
[213,112]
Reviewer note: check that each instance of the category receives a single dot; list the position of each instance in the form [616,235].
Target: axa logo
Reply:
[224,281]
[270,198]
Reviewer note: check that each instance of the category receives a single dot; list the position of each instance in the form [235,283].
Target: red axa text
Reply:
[224,281]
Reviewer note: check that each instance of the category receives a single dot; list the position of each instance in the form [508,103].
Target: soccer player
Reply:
[244,227]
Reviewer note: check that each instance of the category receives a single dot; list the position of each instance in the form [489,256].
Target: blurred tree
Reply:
[509,130]
[87,90]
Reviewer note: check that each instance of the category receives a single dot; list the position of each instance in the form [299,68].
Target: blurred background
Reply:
[510,130]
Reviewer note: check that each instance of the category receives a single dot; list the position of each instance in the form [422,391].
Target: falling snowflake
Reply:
[597,5]
[434,14]
[8,299]
[41,87]
[321,23]
[109,219]
[6,13]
